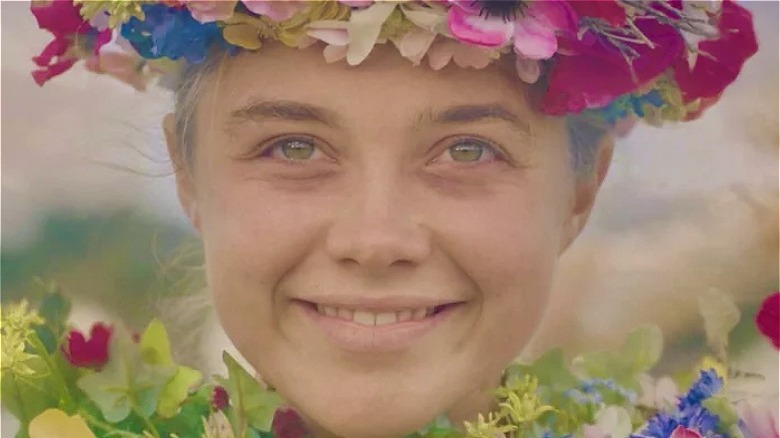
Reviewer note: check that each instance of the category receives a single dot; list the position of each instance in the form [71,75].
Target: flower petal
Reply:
[473,29]
[533,40]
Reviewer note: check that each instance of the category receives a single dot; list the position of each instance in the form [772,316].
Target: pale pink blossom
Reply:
[758,421]
[277,10]
[207,11]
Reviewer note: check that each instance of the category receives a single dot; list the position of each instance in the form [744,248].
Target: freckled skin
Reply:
[380,208]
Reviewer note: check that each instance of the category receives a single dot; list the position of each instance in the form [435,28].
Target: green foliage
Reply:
[250,404]
[127,383]
[639,352]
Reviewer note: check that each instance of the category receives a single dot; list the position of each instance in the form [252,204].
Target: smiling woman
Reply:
[381,236]
[383,230]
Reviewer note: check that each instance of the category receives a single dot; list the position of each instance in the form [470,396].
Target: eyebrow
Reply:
[264,110]
[476,113]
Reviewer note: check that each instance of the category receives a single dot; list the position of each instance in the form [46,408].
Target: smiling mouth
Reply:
[370,317]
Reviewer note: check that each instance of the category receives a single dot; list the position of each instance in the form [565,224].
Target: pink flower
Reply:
[684,432]
[357,3]
[610,11]
[757,422]
[92,353]
[219,398]
[207,11]
[63,19]
[713,72]
[277,10]
[594,72]
[535,32]
[288,424]
[768,318]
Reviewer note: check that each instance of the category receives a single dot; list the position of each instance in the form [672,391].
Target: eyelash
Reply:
[494,153]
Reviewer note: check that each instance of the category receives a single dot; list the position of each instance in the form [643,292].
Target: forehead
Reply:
[384,86]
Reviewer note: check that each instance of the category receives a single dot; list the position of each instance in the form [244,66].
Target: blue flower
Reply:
[172,33]
[689,413]
[631,103]
[709,383]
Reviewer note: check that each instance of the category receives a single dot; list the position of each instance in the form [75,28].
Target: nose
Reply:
[376,229]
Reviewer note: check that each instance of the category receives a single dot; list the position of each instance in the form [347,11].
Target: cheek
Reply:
[507,245]
[251,237]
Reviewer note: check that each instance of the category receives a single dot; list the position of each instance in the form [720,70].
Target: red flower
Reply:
[63,19]
[92,353]
[768,318]
[595,73]
[684,432]
[288,424]
[219,398]
[713,72]
[608,10]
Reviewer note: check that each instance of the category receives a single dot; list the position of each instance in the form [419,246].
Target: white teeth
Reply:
[404,315]
[367,317]
[363,317]
[345,314]
[385,318]
[419,314]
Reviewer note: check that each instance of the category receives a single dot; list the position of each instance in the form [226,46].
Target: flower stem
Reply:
[147,424]
[36,343]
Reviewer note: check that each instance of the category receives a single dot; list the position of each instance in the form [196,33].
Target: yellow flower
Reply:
[120,11]
[249,31]
[16,325]
[54,422]
[487,429]
[521,404]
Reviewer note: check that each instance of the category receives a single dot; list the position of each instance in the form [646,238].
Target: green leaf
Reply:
[27,396]
[251,404]
[550,369]
[720,315]
[643,347]
[54,309]
[720,406]
[155,345]
[176,391]
[126,383]
[640,352]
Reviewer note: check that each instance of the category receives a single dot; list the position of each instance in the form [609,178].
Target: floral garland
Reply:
[656,60]
[59,382]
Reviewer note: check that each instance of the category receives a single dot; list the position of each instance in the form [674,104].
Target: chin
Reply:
[395,422]
[364,416]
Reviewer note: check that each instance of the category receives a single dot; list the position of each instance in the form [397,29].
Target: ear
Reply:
[587,186]
[185,188]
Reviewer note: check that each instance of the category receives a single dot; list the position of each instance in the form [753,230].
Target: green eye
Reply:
[296,150]
[467,152]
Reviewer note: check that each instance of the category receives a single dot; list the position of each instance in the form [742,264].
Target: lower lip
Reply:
[386,338]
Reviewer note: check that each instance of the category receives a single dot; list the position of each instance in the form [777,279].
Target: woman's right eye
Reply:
[292,149]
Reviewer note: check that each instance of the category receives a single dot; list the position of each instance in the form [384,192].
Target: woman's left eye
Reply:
[469,150]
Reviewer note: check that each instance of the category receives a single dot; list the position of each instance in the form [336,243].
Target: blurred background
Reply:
[88,202]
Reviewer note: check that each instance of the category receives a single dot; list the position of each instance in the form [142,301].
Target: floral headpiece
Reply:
[653,59]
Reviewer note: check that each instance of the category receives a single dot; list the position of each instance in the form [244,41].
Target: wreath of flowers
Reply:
[62,383]
[658,60]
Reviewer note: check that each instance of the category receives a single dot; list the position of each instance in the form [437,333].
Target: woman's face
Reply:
[380,240]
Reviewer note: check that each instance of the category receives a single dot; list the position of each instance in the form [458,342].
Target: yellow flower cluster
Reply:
[519,406]
[119,11]
[16,326]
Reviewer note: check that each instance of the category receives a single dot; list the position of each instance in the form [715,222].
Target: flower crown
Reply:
[657,60]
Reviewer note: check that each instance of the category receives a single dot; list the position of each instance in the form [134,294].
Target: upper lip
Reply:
[379,303]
